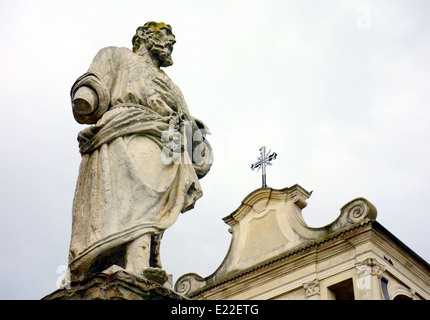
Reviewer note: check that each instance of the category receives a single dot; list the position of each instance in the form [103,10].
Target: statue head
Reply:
[158,39]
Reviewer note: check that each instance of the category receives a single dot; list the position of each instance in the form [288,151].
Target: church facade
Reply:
[275,255]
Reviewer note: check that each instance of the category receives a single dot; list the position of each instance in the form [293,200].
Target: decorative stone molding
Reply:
[269,225]
[189,283]
[312,288]
[356,211]
[397,290]
[115,284]
[370,266]
[183,287]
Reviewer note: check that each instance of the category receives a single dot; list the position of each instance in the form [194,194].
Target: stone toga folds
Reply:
[124,187]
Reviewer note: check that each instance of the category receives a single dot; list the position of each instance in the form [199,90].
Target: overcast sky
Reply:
[339,89]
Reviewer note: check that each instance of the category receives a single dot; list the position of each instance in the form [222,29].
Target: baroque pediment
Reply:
[269,224]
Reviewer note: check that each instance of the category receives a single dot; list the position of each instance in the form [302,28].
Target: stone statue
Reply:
[142,158]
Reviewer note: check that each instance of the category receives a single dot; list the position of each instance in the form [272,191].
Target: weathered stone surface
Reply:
[118,285]
[142,156]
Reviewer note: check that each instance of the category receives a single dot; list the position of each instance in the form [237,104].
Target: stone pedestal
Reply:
[117,285]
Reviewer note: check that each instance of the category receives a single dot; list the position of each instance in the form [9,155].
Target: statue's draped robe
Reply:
[124,187]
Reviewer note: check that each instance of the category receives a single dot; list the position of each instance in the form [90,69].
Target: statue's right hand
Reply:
[84,100]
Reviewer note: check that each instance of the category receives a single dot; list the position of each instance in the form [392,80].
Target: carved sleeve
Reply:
[91,81]
[98,78]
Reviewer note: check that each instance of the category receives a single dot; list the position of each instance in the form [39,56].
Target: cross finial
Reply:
[263,161]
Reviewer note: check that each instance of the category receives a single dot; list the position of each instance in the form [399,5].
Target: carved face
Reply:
[161,45]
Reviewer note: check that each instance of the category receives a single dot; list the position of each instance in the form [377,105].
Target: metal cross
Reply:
[263,161]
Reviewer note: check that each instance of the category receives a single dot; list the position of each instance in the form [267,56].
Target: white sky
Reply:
[339,89]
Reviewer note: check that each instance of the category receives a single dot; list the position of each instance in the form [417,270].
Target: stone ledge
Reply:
[119,285]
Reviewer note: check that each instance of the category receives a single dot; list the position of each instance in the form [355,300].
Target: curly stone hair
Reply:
[147,31]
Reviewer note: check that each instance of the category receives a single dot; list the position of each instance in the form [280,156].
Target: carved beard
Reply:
[163,54]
